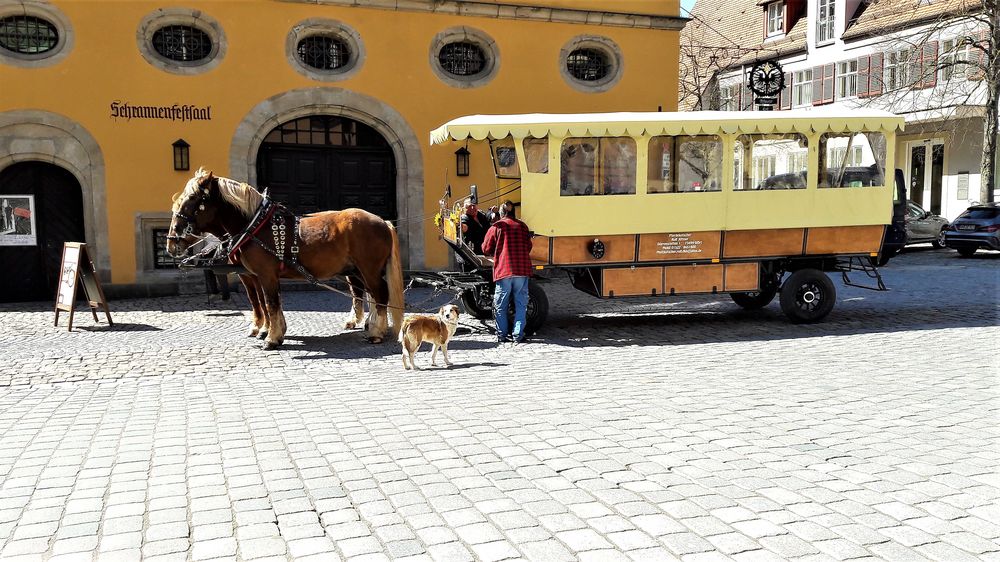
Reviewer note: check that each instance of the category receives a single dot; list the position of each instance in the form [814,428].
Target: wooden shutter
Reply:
[817,85]
[829,84]
[924,64]
[875,75]
[983,43]
[864,76]
[785,100]
[929,64]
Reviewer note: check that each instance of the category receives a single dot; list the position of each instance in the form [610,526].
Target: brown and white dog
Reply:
[425,328]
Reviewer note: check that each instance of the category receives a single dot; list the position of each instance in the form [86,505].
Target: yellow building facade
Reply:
[328,104]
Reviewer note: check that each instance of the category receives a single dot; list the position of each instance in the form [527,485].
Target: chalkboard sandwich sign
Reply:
[77,268]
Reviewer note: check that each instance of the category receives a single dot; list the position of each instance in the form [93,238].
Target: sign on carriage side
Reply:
[78,268]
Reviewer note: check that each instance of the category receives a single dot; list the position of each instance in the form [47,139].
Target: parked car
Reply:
[978,227]
[924,226]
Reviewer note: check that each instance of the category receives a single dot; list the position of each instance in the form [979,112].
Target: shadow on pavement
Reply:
[683,328]
[352,345]
[119,327]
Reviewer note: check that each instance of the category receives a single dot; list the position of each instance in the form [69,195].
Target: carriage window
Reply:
[766,162]
[505,158]
[684,164]
[852,160]
[598,166]
[536,154]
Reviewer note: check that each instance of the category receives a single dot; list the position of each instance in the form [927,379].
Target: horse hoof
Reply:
[374,339]
[262,334]
[270,345]
[350,325]
[252,333]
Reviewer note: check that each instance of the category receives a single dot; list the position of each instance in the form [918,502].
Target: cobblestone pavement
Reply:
[646,430]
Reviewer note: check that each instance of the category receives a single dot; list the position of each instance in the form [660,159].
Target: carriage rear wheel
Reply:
[807,296]
[479,303]
[538,309]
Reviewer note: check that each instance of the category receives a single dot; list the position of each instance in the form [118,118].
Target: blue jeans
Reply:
[518,287]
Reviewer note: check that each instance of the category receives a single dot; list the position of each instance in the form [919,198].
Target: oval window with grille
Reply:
[589,65]
[28,35]
[182,43]
[462,58]
[324,52]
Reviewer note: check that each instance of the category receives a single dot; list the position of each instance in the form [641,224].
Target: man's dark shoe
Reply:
[521,340]
[503,339]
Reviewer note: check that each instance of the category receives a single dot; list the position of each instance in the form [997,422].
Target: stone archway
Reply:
[287,106]
[33,135]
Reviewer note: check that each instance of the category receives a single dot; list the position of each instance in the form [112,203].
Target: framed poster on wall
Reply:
[17,220]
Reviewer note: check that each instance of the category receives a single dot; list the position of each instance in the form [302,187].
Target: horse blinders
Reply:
[190,222]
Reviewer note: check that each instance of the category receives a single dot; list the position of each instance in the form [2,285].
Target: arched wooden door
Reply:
[41,207]
[323,162]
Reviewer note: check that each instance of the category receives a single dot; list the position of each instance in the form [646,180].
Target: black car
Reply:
[924,226]
[978,227]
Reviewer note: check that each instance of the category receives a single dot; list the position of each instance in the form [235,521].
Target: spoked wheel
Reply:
[758,299]
[939,241]
[537,311]
[807,296]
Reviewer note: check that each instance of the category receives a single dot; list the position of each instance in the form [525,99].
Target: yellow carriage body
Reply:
[693,202]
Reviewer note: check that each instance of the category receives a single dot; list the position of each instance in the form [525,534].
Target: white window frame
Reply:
[802,88]
[775,19]
[797,157]
[847,79]
[825,21]
[953,53]
[764,166]
[729,98]
[897,69]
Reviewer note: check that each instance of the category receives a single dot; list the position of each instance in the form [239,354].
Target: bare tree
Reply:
[966,73]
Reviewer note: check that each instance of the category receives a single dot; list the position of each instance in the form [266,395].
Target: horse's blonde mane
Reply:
[240,195]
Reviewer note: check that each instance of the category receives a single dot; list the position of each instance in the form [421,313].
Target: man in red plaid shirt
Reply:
[509,242]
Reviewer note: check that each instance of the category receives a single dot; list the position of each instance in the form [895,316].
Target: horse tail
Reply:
[394,277]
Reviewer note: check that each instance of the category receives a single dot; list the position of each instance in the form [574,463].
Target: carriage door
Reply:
[926,171]
[323,162]
[41,207]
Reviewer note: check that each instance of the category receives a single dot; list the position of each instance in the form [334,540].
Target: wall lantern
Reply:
[462,161]
[182,155]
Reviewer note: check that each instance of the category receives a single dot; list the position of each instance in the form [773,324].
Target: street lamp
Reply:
[182,155]
[462,161]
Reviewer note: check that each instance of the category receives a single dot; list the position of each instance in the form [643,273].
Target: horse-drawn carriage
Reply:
[626,204]
[755,205]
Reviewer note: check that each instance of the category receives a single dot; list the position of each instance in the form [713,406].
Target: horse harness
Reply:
[285,239]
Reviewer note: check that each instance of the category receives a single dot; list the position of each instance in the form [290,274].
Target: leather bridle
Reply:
[189,222]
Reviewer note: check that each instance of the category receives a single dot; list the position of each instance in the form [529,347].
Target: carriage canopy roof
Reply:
[540,125]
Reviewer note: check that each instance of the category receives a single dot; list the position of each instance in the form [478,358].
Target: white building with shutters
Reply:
[905,56]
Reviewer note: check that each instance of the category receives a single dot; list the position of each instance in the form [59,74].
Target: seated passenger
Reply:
[474,226]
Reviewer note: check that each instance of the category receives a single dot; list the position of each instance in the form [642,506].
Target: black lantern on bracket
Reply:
[182,155]
[462,161]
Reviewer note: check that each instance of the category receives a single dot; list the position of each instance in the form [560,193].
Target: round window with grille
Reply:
[182,43]
[324,52]
[589,65]
[28,35]
[462,58]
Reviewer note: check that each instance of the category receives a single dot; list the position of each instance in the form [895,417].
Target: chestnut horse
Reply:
[353,242]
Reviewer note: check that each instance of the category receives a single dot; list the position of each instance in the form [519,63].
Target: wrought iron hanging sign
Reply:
[766,80]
